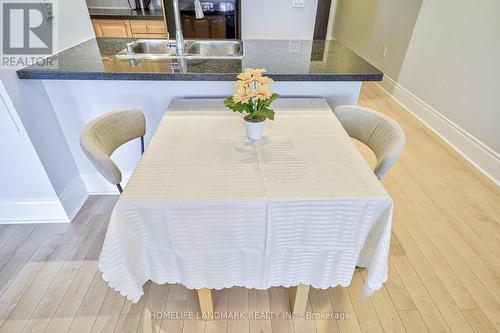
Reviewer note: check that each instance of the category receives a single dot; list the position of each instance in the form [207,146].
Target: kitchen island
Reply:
[88,80]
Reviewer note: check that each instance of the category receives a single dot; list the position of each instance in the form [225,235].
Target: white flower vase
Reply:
[254,130]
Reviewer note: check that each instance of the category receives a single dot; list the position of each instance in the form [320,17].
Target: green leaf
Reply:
[268,102]
[235,107]
[268,113]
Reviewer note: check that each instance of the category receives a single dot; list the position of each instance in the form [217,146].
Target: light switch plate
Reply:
[298,3]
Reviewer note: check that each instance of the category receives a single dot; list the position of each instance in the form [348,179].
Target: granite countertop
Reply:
[112,13]
[303,60]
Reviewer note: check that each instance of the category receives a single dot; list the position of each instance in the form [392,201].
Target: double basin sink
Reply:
[152,49]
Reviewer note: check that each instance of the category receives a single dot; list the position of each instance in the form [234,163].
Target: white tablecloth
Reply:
[206,207]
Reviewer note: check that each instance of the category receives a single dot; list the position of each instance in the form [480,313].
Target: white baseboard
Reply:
[22,212]
[473,150]
[98,185]
[73,196]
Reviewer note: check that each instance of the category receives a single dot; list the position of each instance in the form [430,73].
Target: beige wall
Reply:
[367,26]
[453,64]
[444,52]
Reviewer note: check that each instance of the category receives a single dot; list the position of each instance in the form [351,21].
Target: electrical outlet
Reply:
[294,45]
[384,51]
[298,3]
[48,9]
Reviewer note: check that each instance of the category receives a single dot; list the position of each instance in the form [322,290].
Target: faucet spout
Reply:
[198,10]
[179,38]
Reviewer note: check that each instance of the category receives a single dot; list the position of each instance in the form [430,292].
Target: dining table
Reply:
[208,208]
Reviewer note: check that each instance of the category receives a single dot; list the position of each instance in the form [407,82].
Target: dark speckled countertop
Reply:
[111,13]
[305,60]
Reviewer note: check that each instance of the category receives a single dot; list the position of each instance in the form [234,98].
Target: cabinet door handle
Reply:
[148,27]
[126,23]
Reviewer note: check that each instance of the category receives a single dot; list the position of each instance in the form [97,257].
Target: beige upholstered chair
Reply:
[380,133]
[102,136]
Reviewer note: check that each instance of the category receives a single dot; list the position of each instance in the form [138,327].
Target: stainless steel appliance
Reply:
[221,19]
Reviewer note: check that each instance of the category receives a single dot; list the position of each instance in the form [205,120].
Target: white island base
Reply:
[76,103]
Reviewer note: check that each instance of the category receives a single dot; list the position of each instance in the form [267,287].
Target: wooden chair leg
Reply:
[298,299]
[206,303]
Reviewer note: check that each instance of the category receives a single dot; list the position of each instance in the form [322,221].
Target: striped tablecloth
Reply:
[208,208]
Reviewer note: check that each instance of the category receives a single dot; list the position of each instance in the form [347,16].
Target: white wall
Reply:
[41,171]
[26,194]
[442,65]
[276,19]
[367,26]
[453,64]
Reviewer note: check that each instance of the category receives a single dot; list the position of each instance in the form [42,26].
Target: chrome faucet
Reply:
[179,38]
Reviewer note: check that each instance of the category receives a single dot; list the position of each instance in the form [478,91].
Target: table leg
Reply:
[206,303]
[298,299]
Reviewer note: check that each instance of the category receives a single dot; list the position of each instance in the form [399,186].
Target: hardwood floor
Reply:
[444,265]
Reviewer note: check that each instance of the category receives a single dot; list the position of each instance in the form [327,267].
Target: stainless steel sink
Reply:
[216,48]
[195,49]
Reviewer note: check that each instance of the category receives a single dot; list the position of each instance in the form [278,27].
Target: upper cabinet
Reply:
[129,28]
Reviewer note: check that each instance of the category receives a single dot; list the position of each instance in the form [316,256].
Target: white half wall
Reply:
[78,102]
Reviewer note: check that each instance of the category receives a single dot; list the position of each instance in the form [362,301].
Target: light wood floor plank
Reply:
[304,324]
[432,283]
[320,305]
[19,307]
[341,304]
[22,254]
[75,295]
[196,324]
[365,311]
[397,290]
[15,241]
[6,231]
[238,303]
[109,314]
[258,303]
[50,302]
[426,307]
[131,313]
[417,227]
[13,289]
[89,309]
[412,321]
[279,304]
[221,299]
[386,311]
[478,321]
[127,323]
[154,305]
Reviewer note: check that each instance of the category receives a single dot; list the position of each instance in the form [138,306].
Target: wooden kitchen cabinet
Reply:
[148,29]
[112,28]
[129,28]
